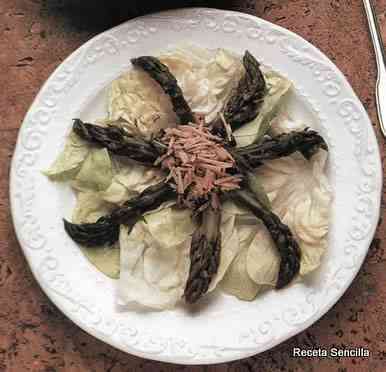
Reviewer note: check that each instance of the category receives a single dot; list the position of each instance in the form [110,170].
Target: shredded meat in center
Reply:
[198,164]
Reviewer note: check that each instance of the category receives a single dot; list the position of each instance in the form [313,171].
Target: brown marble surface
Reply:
[35,36]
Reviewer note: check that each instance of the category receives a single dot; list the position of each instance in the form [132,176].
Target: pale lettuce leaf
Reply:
[139,100]
[301,197]
[229,248]
[137,178]
[207,78]
[88,209]
[129,180]
[170,226]
[263,259]
[96,171]
[237,282]
[68,162]
[283,123]
[116,193]
[105,259]
[152,274]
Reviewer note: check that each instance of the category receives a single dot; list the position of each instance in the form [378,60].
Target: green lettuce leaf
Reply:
[68,163]
[105,259]
[95,172]
[116,193]
[170,226]
[263,259]
[229,248]
[88,209]
[237,282]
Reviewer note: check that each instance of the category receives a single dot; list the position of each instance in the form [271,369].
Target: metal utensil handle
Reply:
[380,57]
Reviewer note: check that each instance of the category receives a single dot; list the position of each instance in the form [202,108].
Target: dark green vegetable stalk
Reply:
[204,255]
[105,231]
[118,142]
[308,142]
[100,233]
[162,75]
[244,104]
[287,246]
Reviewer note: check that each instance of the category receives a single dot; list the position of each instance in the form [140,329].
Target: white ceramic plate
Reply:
[225,329]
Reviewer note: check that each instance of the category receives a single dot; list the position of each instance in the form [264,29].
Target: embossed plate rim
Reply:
[218,354]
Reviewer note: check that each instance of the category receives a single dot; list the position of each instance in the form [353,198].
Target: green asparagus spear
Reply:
[287,246]
[162,75]
[307,142]
[118,142]
[105,231]
[204,255]
[243,106]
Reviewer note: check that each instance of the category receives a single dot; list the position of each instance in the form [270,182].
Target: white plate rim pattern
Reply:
[334,91]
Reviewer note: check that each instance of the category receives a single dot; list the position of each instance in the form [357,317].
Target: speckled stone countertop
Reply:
[35,36]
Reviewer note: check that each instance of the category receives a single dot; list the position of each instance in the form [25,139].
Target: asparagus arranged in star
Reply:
[286,244]
[204,255]
[215,171]
[206,244]
[105,231]
[162,75]
[118,142]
